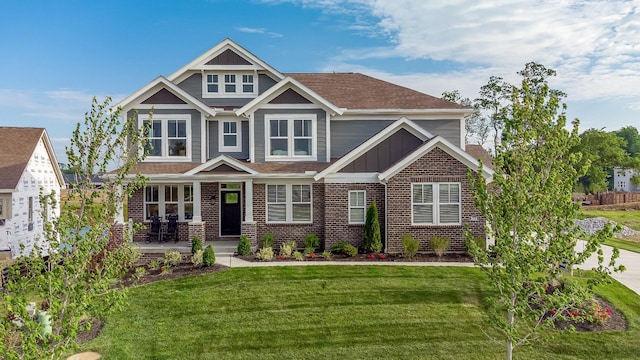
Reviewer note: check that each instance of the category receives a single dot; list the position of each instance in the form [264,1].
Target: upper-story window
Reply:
[230,136]
[168,137]
[291,137]
[229,85]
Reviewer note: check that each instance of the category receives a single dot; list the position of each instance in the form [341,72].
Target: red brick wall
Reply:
[210,210]
[435,166]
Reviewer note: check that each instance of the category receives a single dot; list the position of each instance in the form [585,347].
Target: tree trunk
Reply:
[509,349]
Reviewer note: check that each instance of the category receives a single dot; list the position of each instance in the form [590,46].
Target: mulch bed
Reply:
[373,258]
[615,322]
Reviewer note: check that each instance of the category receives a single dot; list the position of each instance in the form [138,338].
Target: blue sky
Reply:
[57,55]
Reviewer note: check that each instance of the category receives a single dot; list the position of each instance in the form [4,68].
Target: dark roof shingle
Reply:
[16,147]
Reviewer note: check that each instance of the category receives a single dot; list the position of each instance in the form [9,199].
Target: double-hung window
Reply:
[289,203]
[230,137]
[291,137]
[167,200]
[435,203]
[168,137]
[357,206]
[212,84]
[226,84]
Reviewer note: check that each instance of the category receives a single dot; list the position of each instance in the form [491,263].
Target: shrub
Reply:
[479,241]
[196,244]
[287,248]
[172,258]
[326,254]
[372,239]
[196,258]
[350,250]
[154,265]
[338,247]
[208,256]
[166,269]
[140,272]
[410,246]
[244,246]
[440,245]
[310,243]
[267,241]
[298,255]
[265,254]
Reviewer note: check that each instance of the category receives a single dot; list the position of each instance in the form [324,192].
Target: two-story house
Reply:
[240,148]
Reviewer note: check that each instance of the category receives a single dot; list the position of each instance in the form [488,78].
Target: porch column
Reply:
[197,203]
[119,217]
[248,200]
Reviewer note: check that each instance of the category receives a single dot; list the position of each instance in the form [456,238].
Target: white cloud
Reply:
[258,31]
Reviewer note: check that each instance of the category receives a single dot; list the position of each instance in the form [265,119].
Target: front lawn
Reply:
[335,312]
[629,218]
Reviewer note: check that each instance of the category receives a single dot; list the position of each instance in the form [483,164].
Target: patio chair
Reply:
[154,229]
[172,228]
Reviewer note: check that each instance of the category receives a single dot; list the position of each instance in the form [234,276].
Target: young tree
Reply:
[73,270]
[372,238]
[530,215]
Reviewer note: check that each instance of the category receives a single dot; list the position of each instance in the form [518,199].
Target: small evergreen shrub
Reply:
[267,241]
[326,254]
[372,238]
[196,244]
[244,246]
[287,248]
[310,242]
[196,259]
[338,247]
[172,258]
[298,255]
[440,245]
[265,254]
[350,250]
[208,256]
[410,246]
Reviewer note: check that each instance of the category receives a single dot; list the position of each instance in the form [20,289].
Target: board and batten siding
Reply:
[346,135]
[196,134]
[214,144]
[193,85]
[259,128]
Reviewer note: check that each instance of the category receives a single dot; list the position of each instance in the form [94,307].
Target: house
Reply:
[239,148]
[622,179]
[28,165]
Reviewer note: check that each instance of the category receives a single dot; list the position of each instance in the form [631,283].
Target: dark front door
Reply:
[230,213]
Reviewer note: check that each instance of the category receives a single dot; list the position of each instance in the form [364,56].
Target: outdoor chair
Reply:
[154,229]
[172,228]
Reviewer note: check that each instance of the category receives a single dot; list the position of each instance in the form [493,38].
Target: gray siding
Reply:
[213,141]
[259,128]
[196,138]
[193,85]
[448,129]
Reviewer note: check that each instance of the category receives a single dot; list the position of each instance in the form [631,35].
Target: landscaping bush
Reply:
[372,239]
[244,246]
[208,257]
[196,244]
[311,242]
[440,244]
[265,254]
[338,247]
[326,254]
[350,250]
[140,273]
[172,258]
[154,265]
[410,246]
[165,269]
[479,241]
[196,258]
[298,255]
[267,241]
[287,248]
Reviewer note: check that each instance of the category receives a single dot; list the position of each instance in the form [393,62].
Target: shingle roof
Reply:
[161,168]
[359,91]
[16,147]
[478,152]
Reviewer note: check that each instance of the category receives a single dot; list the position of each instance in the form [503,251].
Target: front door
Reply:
[230,213]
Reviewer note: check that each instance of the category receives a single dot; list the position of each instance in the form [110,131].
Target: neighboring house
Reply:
[240,148]
[28,165]
[622,179]
[71,180]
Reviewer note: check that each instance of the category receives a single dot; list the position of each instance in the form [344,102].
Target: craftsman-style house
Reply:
[240,148]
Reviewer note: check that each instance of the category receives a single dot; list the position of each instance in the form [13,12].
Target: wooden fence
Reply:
[609,198]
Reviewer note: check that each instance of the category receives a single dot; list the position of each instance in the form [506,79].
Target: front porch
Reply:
[155,251]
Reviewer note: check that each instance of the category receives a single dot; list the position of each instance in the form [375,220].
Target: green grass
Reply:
[629,218]
[328,312]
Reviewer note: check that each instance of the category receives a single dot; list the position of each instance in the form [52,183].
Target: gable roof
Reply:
[218,161]
[359,91]
[17,145]
[200,63]
[480,153]
[158,84]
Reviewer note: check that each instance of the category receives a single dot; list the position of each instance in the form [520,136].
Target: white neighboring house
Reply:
[27,165]
[622,179]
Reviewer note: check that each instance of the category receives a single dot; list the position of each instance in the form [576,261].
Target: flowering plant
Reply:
[281,257]
[382,256]
[313,255]
[371,256]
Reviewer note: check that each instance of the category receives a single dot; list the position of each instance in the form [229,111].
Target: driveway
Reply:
[631,260]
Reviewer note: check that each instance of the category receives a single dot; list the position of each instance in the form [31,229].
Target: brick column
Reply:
[197,229]
[250,229]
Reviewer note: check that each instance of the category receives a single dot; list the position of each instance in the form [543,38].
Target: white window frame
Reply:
[356,206]
[289,204]
[162,203]
[436,203]
[290,118]
[222,83]
[164,119]
[221,134]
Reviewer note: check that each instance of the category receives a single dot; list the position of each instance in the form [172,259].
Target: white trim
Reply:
[363,207]
[463,134]
[351,178]
[289,106]
[222,191]
[164,119]
[446,146]
[222,93]
[162,201]
[435,203]
[204,142]
[288,202]
[402,123]
[290,119]
[450,112]
[282,86]
[327,119]
[252,145]
[219,160]
[221,147]
[198,63]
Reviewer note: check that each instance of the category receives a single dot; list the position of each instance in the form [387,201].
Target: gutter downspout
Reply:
[386,212]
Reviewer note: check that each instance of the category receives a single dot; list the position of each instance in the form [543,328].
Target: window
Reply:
[2,209]
[30,226]
[168,137]
[289,203]
[230,138]
[438,207]
[166,200]
[229,85]
[357,206]
[290,136]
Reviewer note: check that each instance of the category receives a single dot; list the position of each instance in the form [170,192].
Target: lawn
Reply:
[335,312]
[630,218]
